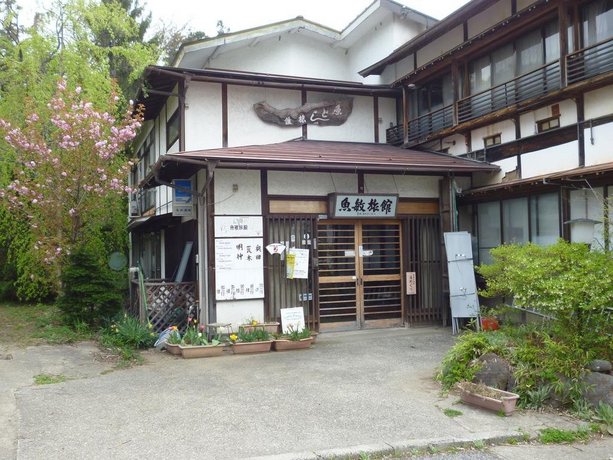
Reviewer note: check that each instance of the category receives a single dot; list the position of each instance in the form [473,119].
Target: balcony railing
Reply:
[589,62]
[422,127]
[527,86]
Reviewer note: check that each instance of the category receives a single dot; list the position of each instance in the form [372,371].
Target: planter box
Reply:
[173,348]
[488,397]
[202,351]
[251,347]
[284,344]
[271,328]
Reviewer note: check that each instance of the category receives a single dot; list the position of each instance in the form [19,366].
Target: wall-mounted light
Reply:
[583,229]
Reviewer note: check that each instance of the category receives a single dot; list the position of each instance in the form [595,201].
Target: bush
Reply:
[91,292]
[128,332]
[564,280]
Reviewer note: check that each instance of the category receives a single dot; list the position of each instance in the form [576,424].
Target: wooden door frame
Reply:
[359,277]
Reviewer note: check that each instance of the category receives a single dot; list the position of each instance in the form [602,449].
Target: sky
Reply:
[202,15]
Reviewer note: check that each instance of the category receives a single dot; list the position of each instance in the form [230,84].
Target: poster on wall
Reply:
[239,268]
[297,264]
[182,199]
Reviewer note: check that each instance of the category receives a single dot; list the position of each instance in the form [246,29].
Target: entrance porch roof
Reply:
[307,155]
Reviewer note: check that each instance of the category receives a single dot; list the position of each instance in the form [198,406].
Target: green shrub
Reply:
[564,280]
[127,332]
[91,292]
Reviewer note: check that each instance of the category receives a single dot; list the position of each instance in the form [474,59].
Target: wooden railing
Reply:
[167,303]
[589,62]
[423,126]
[536,83]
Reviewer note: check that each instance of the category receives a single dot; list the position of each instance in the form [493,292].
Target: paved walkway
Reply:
[364,391]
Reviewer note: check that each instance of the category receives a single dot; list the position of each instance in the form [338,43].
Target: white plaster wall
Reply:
[558,158]
[288,54]
[399,69]
[456,144]
[506,128]
[379,42]
[568,115]
[239,312]
[598,102]
[359,127]
[439,46]
[488,17]
[387,115]
[490,178]
[521,4]
[405,186]
[244,126]
[602,149]
[310,183]
[247,200]
[203,129]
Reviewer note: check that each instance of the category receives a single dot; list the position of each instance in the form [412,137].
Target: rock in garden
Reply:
[600,365]
[494,372]
[599,388]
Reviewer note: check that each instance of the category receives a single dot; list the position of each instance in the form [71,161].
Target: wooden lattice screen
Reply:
[168,303]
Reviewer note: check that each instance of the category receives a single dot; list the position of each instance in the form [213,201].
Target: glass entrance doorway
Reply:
[360,282]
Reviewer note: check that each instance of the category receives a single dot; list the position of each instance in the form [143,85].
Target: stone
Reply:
[599,388]
[494,372]
[600,365]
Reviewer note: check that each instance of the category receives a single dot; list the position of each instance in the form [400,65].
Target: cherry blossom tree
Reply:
[69,163]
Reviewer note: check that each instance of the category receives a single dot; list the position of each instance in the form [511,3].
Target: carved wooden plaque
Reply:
[325,113]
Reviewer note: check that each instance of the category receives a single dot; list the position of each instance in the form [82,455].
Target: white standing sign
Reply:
[292,319]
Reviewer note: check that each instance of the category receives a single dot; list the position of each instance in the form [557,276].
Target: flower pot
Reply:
[201,351]
[488,397]
[271,328]
[489,323]
[173,348]
[285,344]
[251,347]
[314,336]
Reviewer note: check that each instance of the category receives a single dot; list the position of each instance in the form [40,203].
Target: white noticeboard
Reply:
[292,319]
[297,263]
[239,268]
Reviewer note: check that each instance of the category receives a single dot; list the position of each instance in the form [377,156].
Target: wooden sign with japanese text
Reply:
[361,205]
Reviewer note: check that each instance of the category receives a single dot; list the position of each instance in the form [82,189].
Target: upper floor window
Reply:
[492,140]
[172,129]
[547,124]
[434,95]
[527,53]
[597,18]
[146,156]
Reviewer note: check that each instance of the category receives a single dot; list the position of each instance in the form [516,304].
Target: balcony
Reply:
[590,62]
[142,203]
[581,66]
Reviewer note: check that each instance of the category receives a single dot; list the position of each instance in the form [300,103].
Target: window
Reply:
[515,220]
[489,229]
[597,22]
[172,129]
[492,140]
[544,219]
[547,124]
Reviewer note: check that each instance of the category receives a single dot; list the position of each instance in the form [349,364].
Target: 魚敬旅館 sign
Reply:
[361,205]
[325,113]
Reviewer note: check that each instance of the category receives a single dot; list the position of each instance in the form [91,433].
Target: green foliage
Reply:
[558,436]
[174,338]
[452,413]
[295,335]
[91,291]
[604,418]
[564,280]
[253,335]
[127,333]
[49,379]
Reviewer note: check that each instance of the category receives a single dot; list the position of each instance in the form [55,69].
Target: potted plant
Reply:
[173,341]
[293,340]
[271,327]
[195,343]
[488,397]
[256,340]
